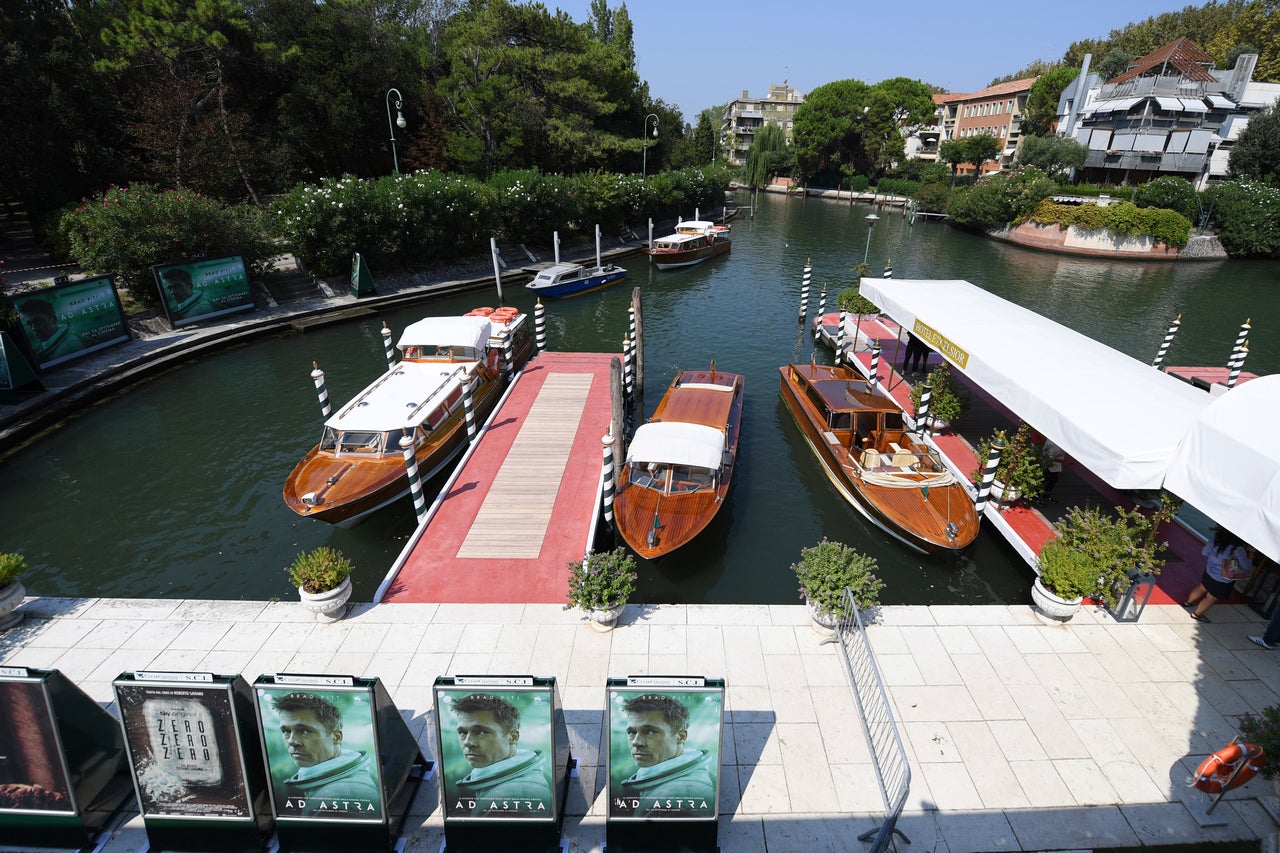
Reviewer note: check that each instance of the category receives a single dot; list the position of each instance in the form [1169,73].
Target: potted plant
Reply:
[1120,545]
[1066,577]
[600,584]
[1263,729]
[946,401]
[11,589]
[851,301]
[1020,473]
[825,571]
[323,579]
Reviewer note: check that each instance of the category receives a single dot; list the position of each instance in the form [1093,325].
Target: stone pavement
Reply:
[1021,736]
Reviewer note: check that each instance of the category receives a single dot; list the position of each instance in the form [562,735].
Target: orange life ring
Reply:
[1216,771]
[493,360]
[479,312]
[504,315]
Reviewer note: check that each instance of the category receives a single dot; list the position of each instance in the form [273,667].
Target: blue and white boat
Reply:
[569,279]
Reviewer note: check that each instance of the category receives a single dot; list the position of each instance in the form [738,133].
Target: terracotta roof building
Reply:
[995,110]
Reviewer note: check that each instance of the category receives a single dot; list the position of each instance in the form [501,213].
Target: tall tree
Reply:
[762,157]
[1053,155]
[1257,24]
[899,107]
[1041,110]
[1256,154]
[827,128]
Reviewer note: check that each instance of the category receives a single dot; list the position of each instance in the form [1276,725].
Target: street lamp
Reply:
[399,122]
[872,219]
[644,138]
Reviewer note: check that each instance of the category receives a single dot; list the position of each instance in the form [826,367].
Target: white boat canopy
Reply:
[676,443]
[1120,418]
[447,332]
[1228,467]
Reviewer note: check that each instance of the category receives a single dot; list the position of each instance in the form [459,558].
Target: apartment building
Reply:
[743,117]
[1171,113]
[996,110]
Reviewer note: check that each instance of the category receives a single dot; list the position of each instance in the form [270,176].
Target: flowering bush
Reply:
[1119,546]
[825,570]
[1246,217]
[128,230]
[1263,729]
[602,581]
[319,570]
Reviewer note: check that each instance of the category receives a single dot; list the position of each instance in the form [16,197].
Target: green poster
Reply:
[197,290]
[70,320]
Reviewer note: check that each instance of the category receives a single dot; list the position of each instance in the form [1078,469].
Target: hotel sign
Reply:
[935,339]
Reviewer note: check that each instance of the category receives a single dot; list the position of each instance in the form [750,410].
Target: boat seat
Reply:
[870,459]
[902,459]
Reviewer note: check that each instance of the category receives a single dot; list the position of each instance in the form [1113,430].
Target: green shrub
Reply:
[1170,193]
[319,570]
[946,400]
[858,183]
[851,299]
[11,568]
[128,230]
[1021,466]
[1124,218]
[898,187]
[1066,573]
[1000,198]
[1263,729]
[1246,218]
[603,581]
[932,198]
[825,570]
[1118,545]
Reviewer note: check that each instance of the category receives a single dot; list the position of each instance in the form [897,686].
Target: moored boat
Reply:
[680,464]
[559,280]
[358,466]
[895,480]
[693,242]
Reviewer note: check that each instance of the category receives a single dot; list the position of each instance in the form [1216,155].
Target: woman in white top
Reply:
[1226,560]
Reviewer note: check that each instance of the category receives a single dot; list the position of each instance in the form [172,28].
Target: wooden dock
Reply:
[522,504]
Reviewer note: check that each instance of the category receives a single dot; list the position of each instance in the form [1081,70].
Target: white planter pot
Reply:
[605,620]
[1056,610]
[10,597]
[1002,494]
[823,623]
[327,606]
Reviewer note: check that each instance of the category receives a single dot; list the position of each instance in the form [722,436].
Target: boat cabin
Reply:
[681,242]
[559,274]
[674,457]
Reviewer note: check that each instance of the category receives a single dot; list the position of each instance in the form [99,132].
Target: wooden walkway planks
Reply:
[513,520]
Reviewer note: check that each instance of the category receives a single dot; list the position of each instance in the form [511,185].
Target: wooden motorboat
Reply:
[694,242]
[680,464]
[358,466]
[888,474]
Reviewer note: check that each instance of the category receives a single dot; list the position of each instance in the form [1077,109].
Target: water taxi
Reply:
[694,242]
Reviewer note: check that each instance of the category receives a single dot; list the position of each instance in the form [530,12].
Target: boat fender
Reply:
[1229,767]
[312,499]
[493,360]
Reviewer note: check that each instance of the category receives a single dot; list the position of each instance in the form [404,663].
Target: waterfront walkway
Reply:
[1021,736]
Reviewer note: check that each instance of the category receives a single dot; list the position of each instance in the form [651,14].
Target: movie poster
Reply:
[197,290]
[496,752]
[183,750]
[664,749]
[321,753]
[70,320]
[32,773]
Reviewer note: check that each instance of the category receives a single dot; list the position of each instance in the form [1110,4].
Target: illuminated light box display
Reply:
[195,758]
[62,762]
[339,761]
[504,758]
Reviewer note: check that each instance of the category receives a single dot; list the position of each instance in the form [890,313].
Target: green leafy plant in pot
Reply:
[1021,466]
[12,591]
[601,584]
[323,579]
[946,401]
[1120,544]
[1263,729]
[825,570]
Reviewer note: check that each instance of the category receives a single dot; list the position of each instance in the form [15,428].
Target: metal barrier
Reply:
[888,756]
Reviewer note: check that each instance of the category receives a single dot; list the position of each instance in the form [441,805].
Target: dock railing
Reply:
[884,742]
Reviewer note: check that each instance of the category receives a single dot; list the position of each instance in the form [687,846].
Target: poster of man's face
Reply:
[197,290]
[64,322]
[496,753]
[32,773]
[321,753]
[664,753]
[184,750]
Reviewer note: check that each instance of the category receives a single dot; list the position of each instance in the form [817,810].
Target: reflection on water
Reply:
[174,489]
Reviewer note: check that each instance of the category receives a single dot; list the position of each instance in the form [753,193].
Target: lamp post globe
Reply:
[644,140]
[872,219]
[391,126]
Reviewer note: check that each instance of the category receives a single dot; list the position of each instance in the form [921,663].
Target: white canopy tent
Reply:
[676,443]
[447,332]
[1120,418]
[1228,467]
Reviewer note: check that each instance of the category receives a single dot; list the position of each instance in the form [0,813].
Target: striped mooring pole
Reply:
[875,365]
[317,376]
[988,476]
[1240,339]
[822,312]
[540,325]
[627,381]
[1239,364]
[508,357]
[631,328]
[606,444]
[1168,339]
[923,422]
[415,483]
[469,407]
[840,339]
[804,291]
[888,269]
[386,346]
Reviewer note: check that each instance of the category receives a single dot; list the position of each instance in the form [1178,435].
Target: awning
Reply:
[1193,105]
[447,332]
[1221,103]
[674,443]
[1228,467]
[1171,104]
[1120,418]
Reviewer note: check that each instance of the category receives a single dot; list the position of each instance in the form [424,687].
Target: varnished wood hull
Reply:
[680,517]
[905,513]
[672,260]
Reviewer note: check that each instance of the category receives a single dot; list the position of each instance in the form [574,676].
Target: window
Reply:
[1003,132]
[1011,105]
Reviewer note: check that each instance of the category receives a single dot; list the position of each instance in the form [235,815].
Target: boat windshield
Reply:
[361,442]
[670,479]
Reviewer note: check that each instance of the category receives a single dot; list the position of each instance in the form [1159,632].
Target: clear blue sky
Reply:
[699,53]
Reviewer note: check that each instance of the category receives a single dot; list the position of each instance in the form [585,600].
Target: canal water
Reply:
[173,489]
